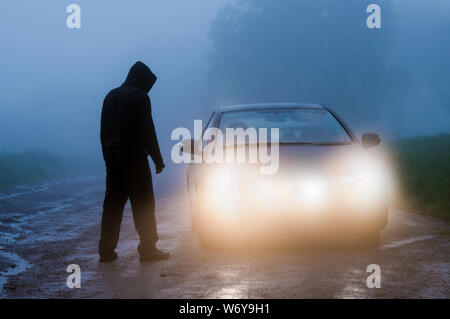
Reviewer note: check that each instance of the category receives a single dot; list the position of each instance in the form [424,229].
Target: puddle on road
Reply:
[399,243]
[42,188]
[231,292]
[18,227]
[15,265]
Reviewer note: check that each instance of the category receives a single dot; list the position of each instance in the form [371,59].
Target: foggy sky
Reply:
[53,79]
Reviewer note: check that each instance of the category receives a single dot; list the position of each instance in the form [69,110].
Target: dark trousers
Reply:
[128,177]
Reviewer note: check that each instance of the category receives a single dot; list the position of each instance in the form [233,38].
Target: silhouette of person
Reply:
[128,136]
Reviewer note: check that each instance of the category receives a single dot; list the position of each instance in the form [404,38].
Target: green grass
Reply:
[423,165]
[35,166]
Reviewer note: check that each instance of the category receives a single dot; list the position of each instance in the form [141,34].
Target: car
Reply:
[327,182]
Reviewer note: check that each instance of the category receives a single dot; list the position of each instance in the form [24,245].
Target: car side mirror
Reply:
[190,146]
[370,140]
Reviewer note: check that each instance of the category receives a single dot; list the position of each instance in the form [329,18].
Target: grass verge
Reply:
[423,165]
[34,166]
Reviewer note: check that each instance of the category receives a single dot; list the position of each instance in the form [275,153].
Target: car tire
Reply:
[206,241]
[206,238]
[372,240]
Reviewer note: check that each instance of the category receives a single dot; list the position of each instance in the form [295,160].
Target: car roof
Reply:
[258,106]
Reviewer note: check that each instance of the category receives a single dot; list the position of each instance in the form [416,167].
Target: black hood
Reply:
[140,76]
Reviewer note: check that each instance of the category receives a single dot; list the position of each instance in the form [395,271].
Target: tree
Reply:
[309,51]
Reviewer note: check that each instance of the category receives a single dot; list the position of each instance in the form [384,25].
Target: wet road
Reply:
[44,228]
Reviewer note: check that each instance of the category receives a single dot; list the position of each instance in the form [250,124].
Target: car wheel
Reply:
[372,240]
[206,240]
[206,237]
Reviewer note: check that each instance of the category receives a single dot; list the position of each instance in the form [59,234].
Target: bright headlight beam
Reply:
[312,190]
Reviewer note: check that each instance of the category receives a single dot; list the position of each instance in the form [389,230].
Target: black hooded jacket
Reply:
[127,124]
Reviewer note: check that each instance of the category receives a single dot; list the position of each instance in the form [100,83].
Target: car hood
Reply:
[321,159]
[329,160]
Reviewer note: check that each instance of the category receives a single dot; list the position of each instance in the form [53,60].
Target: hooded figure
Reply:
[128,136]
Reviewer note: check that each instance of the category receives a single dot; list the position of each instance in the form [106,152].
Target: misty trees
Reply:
[400,79]
[308,51]
[440,74]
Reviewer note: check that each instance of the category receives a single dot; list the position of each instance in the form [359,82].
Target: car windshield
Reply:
[296,126]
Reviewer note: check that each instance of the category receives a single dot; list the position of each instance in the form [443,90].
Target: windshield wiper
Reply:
[295,143]
[316,144]
[332,143]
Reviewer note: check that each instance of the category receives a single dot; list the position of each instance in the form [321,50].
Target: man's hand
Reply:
[159,168]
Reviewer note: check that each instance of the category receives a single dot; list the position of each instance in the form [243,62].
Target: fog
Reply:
[53,79]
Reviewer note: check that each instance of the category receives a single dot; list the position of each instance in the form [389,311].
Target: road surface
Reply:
[44,228]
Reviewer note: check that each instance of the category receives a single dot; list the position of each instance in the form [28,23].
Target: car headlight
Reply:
[222,188]
[220,180]
[369,183]
[312,190]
